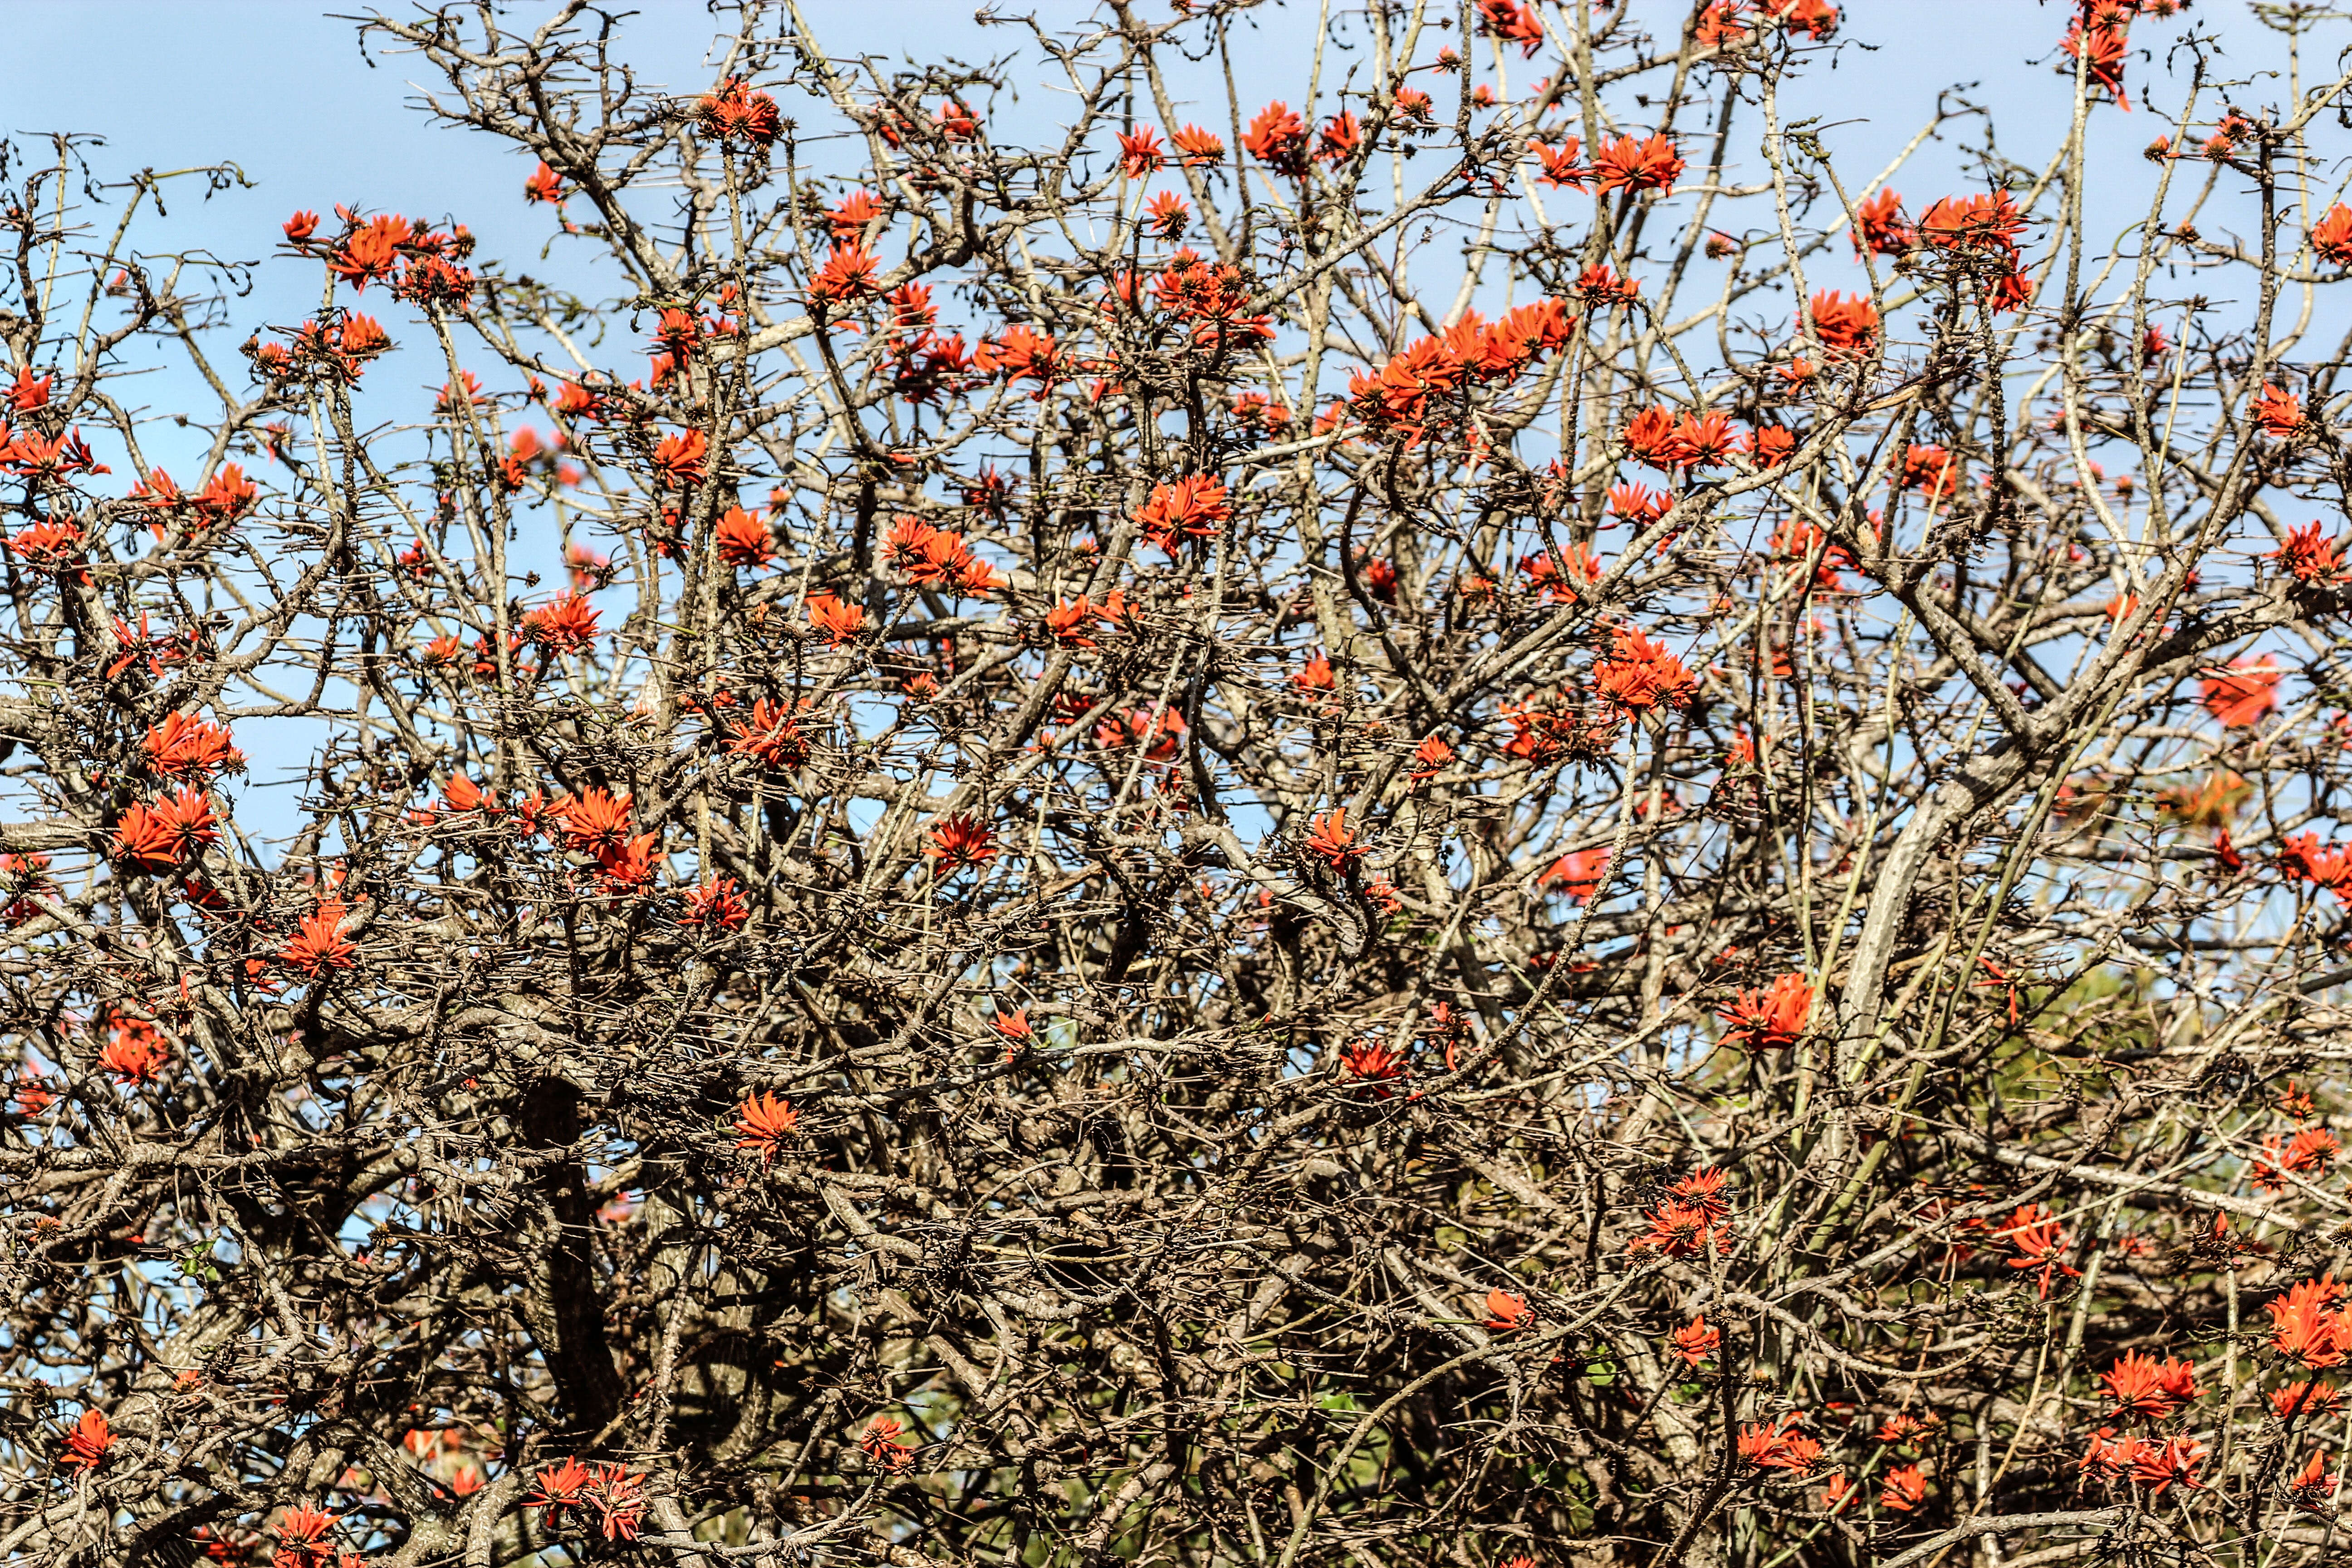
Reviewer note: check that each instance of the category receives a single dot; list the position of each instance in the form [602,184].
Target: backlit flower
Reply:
[763,1122]
[1637,164]
[960,841]
[1771,1019]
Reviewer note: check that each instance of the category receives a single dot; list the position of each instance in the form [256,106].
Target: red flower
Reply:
[848,221]
[87,1441]
[1816,18]
[1846,326]
[2157,1466]
[1021,354]
[30,454]
[560,1487]
[679,460]
[848,273]
[463,392]
[630,864]
[617,1495]
[960,841]
[2300,1399]
[2141,1385]
[2102,50]
[1677,1230]
[1543,575]
[2313,1149]
[1372,1063]
[743,540]
[568,625]
[2311,559]
[369,250]
[1637,504]
[1779,1445]
[2331,237]
[1559,166]
[716,905]
[1211,297]
[134,1052]
[911,310]
[882,1445]
[1771,445]
[300,227]
[957,123]
[1640,675]
[1599,287]
[1988,223]
[1341,138]
[157,836]
[1430,758]
[1903,1427]
[1722,26]
[23,878]
[544,186]
[2040,1243]
[732,114]
[2178,1379]
[302,1539]
[771,735]
[1167,214]
[29,392]
[1202,148]
[1577,874]
[1637,164]
[2113,1457]
[1506,1311]
[1139,152]
[1195,506]
[1703,1190]
[2279,414]
[1695,1341]
[1905,1488]
[47,546]
[575,401]
[1878,225]
[1067,621]
[1277,138]
[1706,441]
[1650,438]
[1771,1019]
[433,279]
[1512,23]
[462,795]
[187,749]
[1017,1031]
[594,821]
[360,338]
[762,1122]
[2305,1326]
[1333,841]
[2303,856]
[2312,1489]
[2245,693]
[320,946]
[837,623]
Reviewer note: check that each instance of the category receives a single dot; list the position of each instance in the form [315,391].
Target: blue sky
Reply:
[281,90]
[278,86]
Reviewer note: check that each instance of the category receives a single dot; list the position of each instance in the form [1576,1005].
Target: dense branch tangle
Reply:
[1497,819]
